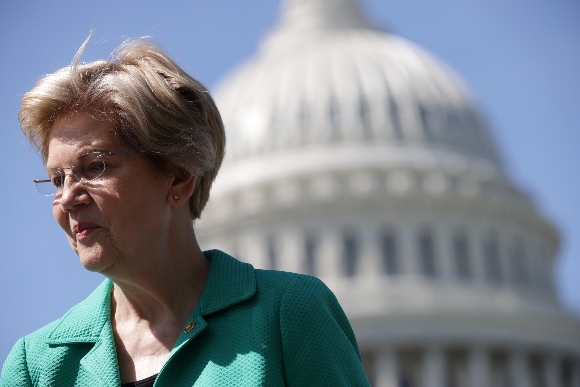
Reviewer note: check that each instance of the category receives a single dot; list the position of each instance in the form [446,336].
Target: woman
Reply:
[131,148]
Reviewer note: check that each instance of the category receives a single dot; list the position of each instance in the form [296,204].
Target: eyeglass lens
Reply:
[86,168]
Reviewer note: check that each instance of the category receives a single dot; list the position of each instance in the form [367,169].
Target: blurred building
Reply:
[356,156]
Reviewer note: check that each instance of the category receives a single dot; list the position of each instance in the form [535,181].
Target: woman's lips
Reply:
[83,230]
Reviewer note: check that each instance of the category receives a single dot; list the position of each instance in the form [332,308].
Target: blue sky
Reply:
[521,60]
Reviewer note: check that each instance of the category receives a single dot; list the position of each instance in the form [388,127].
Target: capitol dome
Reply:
[325,77]
[356,156]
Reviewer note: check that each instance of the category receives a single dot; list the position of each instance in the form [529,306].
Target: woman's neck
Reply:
[170,287]
[150,308]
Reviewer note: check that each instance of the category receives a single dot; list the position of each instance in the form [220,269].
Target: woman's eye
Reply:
[57,181]
[97,166]
[93,169]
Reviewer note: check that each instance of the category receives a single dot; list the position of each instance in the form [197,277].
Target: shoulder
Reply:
[299,292]
[306,306]
[295,289]
[283,281]
[317,341]
[75,318]
[35,351]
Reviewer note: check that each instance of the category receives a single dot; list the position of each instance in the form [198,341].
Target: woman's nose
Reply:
[73,193]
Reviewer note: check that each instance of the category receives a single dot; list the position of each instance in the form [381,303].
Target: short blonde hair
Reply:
[158,110]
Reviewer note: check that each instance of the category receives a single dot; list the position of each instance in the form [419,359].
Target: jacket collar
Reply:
[229,282]
[85,321]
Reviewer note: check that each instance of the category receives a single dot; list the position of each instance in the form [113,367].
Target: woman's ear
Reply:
[182,186]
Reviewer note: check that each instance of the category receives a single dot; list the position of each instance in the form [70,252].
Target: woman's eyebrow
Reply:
[93,150]
[83,153]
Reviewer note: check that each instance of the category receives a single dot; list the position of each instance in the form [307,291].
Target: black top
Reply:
[147,382]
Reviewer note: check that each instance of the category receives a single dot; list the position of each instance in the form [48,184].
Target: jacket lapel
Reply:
[89,322]
[229,282]
[100,364]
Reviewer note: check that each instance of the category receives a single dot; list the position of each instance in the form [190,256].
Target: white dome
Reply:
[327,77]
[355,156]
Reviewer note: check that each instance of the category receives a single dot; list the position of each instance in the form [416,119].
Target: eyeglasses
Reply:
[87,167]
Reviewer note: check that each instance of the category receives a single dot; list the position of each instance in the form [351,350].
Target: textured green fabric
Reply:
[252,328]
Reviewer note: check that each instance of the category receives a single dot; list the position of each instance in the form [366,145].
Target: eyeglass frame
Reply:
[100,154]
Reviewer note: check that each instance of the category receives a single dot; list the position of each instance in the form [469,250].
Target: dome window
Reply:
[461,256]
[518,263]
[395,119]
[334,115]
[389,253]
[427,253]
[492,261]
[365,118]
[424,115]
[350,254]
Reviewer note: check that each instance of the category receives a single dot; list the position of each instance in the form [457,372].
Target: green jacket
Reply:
[252,328]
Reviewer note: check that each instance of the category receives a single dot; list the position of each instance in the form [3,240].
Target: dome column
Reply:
[519,369]
[292,252]
[478,367]
[434,367]
[369,265]
[328,261]
[552,371]
[251,247]
[387,368]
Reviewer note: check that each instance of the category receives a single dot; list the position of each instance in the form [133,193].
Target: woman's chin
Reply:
[93,259]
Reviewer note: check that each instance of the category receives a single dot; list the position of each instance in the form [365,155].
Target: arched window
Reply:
[427,253]
[350,253]
[389,253]
[461,255]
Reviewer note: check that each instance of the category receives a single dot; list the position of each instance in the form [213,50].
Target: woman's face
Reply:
[118,217]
